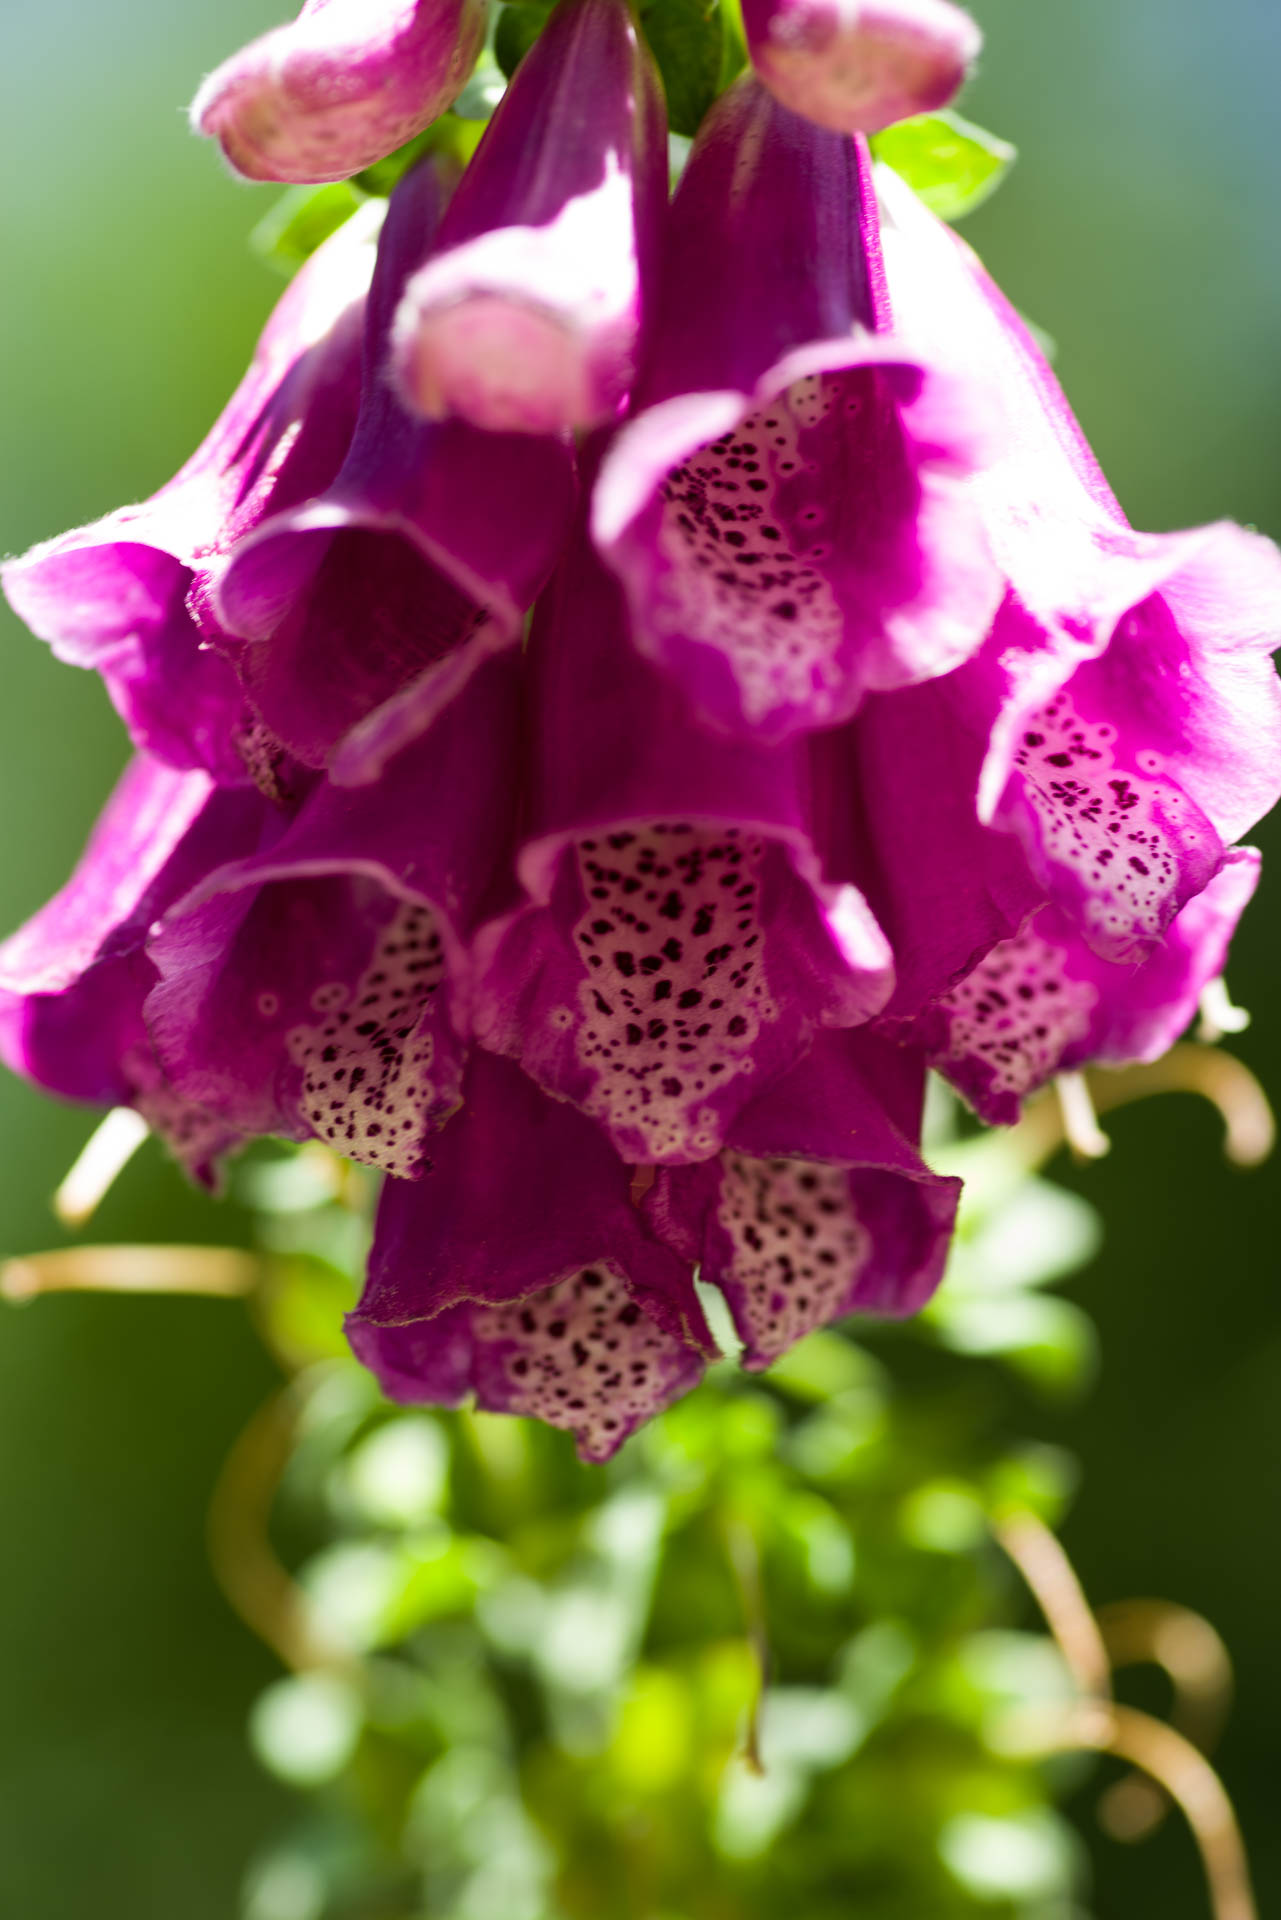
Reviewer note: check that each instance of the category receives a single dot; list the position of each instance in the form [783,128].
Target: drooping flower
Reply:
[526,316]
[1132,712]
[1043,1002]
[318,985]
[678,944]
[74,979]
[819,1205]
[340,87]
[858,65]
[117,595]
[416,562]
[786,507]
[518,1269]
[1055,816]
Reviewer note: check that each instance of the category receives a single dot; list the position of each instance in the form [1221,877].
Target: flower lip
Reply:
[518,1268]
[1043,1003]
[856,66]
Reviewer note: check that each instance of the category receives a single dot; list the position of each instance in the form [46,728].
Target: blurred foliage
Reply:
[756,1665]
[953,165]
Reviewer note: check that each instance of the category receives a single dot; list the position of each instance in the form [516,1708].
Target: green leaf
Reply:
[952,164]
[518,28]
[302,220]
[687,39]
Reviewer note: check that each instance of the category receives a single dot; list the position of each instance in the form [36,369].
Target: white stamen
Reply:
[1080,1122]
[1218,1014]
[104,1156]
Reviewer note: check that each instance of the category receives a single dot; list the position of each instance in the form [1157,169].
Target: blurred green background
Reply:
[1140,229]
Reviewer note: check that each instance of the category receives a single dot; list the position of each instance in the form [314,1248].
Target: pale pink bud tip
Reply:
[856,66]
[503,366]
[340,87]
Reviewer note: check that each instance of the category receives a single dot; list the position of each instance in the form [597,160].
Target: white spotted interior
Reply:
[583,1356]
[367,1085]
[798,1248]
[1017,1012]
[741,578]
[1120,834]
[676,996]
[195,1137]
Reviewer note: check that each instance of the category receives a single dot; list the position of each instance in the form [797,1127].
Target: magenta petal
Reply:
[1044,1002]
[343,85]
[526,317]
[679,944]
[428,547]
[1161,641]
[858,68]
[73,980]
[579,1317]
[318,986]
[820,1205]
[786,508]
[902,782]
[115,595]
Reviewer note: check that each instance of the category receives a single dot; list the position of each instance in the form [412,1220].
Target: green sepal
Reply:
[953,165]
[687,39]
[302,220]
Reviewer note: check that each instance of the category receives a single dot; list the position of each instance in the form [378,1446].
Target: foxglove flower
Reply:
[858,65]
[526,317]
[342,86]
[1043,1002]
[418,561]
[518,1269]
[74,980]
[317,985]
[678,944]
[117,595]
[820,1204]
[786,507]
[1130,710]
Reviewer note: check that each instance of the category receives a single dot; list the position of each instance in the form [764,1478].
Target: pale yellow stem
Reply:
[93,1173]
[220,1271]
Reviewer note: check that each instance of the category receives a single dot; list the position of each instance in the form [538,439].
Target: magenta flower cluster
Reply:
[854,732]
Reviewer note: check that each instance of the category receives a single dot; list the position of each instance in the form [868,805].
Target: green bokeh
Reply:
[1140,228]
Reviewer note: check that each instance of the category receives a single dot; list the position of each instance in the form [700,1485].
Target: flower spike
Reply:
[858,65]
[527,314]
[342,86]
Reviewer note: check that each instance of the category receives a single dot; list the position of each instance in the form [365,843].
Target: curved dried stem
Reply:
[1220,1078]
[745,1565]
[224,1272]
[1097,1723]
[238,1534]
[1039,1556]
[1100,1726]
[1187,1648]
